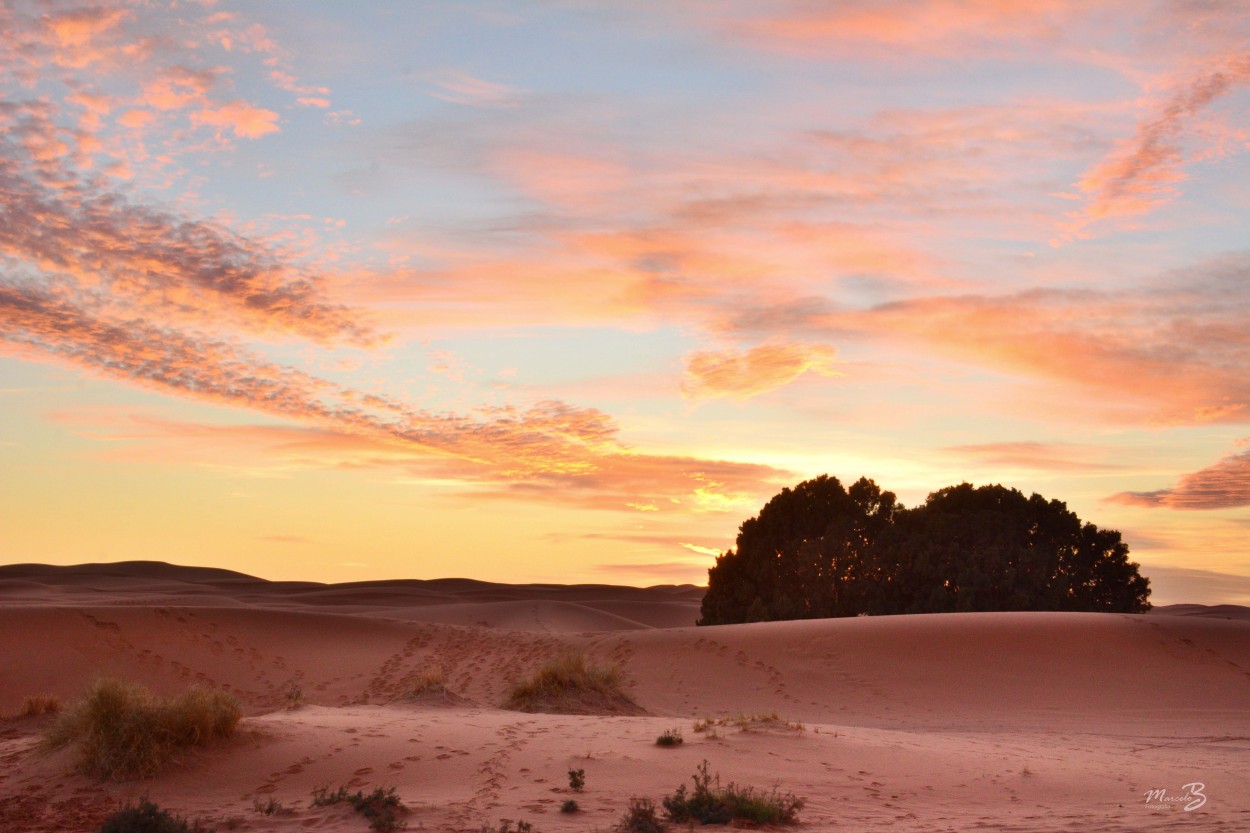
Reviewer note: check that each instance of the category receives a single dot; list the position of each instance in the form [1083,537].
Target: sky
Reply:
[562,291]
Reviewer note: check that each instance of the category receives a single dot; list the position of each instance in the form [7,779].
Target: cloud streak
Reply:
[94,241]
[1224,485]
[1142,173]
[1170,353]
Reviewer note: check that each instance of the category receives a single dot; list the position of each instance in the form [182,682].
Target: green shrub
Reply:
[570,685]
[146,817]
[710,803]
[569,806]
[123,731]
[671,737]
[577,779]
[380,807]
[640,817]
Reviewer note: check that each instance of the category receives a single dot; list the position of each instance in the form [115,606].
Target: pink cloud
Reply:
[76,33]
[243,119]
[890,29]
[1142,173]
[178,86]
[85,237]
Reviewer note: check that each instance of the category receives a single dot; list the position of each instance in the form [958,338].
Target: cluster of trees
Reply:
[821,550]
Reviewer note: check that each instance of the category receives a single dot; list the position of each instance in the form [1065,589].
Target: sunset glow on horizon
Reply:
[564,291]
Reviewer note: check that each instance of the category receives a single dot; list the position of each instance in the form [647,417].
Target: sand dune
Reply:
[1012,721]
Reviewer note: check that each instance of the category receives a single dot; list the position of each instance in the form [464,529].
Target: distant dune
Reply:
[454,601]
[1004,721]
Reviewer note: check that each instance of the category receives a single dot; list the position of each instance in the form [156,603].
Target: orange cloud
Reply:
[1172,353]
[241,118]
[743,375]
[74,33]
[178,86]
[1224,485]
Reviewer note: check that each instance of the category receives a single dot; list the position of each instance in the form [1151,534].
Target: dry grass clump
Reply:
[122,730]
[571,685]
[743,722]
[146,817]
[431,684]
[38,704]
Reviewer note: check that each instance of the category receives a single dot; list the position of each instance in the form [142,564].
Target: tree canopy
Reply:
[821,550]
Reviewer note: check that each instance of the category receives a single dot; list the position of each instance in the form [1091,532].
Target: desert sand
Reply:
[954,722]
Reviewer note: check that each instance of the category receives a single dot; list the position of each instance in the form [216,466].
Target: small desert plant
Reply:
[272,807]
[380,807]
[640,817]
[577,779]
[710,803]
[569,806]
[122,730]
[505,826]
[38,704]
[570,685]
[671,737]
[146,817]
[293,697]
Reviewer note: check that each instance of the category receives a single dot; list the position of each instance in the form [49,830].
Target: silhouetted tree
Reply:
[820,550]
[802,557]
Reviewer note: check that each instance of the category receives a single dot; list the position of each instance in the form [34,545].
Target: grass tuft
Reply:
[569,806]
[146,817]
[122,730]
[571,685]
[743,722]
[272,807]
[381,807]
[38,704]
[430,685]
[710,803]
[671,737]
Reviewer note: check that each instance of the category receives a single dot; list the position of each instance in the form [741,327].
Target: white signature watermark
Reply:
[1192,796]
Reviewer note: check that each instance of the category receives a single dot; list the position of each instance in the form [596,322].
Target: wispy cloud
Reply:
[1040,456]
[119,255]
[1224,485]
[884,29]
[459,87]
[1168,353]
[680,571]
[1142,173]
